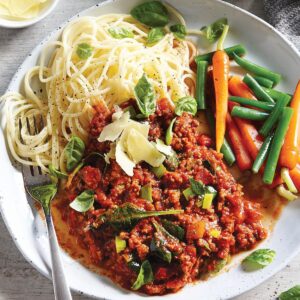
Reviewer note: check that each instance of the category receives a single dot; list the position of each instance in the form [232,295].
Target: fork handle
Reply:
[61,288]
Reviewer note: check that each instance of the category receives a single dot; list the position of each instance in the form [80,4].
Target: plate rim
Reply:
[59,28]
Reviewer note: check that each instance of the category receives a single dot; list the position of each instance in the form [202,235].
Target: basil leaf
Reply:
[145,276]
[258,259]
[44,194]
[84,201]
[56,173]
[291,294]
[134,265]
[145,95]
[179,31]
[214,31]
[153,14]
[157,247]
[126,215]
[186,104]
[155,35]
[197,187]
[176,230]
[84,51]
[74,152]
[120,33]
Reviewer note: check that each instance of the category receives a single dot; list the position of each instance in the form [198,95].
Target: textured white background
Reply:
[18,280]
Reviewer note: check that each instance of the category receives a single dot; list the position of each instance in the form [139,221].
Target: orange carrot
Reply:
[295,175]
[290,152]
[252,139]
[243,158]
[220,62]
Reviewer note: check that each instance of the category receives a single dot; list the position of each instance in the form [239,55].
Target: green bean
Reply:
[264,82]
[274,116]
[256,69]
[258,91]
[200,83]
[262,154]
[237,49]
[225,149]
[276,145]
[253,103]
[249,114]
[277,94]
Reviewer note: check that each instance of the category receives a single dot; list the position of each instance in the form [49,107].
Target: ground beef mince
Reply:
[194,242]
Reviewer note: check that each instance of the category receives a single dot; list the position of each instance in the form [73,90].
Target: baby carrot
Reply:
[290,151]
[220,75]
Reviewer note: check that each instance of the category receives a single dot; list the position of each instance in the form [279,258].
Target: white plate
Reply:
[265,46]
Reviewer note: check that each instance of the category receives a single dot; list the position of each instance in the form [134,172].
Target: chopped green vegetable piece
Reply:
[84,51]
[145,276]
[258,259]
[84,201]
[179,31]
[120,244]
[146,192]
[120,33]
[220,265]
[175,230]
[153,14]
[214,31]
[215,233]
[169,133]
[291,294]
[155,35]
[186,104]
[207,201]
[187,193]
[159,171]
[74,152]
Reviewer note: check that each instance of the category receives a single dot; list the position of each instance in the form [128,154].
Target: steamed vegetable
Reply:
[249,102]
[221,75]
[200,83]
[290,152]
[248,113]
[264,82]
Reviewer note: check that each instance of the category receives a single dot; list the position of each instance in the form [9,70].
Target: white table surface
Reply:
[18,280]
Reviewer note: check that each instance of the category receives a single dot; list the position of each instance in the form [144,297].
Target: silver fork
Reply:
[33,176]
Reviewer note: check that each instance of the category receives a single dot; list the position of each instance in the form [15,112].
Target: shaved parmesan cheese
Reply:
[123,160]
[111,154]
[163,148]
[113,130]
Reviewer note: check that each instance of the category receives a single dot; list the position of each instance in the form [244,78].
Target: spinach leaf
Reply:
[169,133]
[126,215]
[179,31]
[214,31]
[186,104]
[258,259]
[176,230]
[145,276]
[155,35]
[56,174]
[84,51]
[153,14]
[74,152]
[291,294]
[120,33]
[44,194]
[84,201]
[145,96]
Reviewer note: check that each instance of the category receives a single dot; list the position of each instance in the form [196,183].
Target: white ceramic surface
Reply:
[266,47]
[25,23]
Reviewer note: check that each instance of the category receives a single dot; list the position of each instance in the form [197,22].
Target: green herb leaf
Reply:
[179,31]
[155,35]
[145,276]
[146,192]
[120,244]
[214,31]
[120,33]
[56,173]
[84,201]
[258,259]
[186,104]
[207,165]
[197,187]
[131,110]
[175,230]
[169,133]
[74,152]
[84,51]
[291,294]
[153,14]
[145,96]
[44,194]
[126,215]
